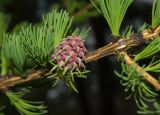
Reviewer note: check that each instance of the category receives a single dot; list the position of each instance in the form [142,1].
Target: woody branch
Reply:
[110,49]
[150,79]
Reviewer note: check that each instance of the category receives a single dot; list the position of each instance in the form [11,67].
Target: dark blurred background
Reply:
[99,94]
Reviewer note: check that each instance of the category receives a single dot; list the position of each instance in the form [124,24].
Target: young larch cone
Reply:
[70,54]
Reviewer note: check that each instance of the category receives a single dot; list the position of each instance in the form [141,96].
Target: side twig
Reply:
[150,79]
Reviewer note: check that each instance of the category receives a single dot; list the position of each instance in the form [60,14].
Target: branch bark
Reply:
[17,80]
[111,48]
[123,44]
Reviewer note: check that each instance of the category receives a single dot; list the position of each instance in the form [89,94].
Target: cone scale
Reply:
[70,54]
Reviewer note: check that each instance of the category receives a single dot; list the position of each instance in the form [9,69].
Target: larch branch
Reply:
[111,48]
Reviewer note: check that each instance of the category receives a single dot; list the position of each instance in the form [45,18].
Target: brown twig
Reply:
[122,44]
[146,75]
[109,49]
[17,80]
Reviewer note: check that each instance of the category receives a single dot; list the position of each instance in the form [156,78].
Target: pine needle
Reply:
[38,43]
[14,51]
[156,14]
[134,83]
[59,22]
[143,27]
[82,33]
[128,32]
[149,51]
[153,66]
[114,12]
[26,107]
